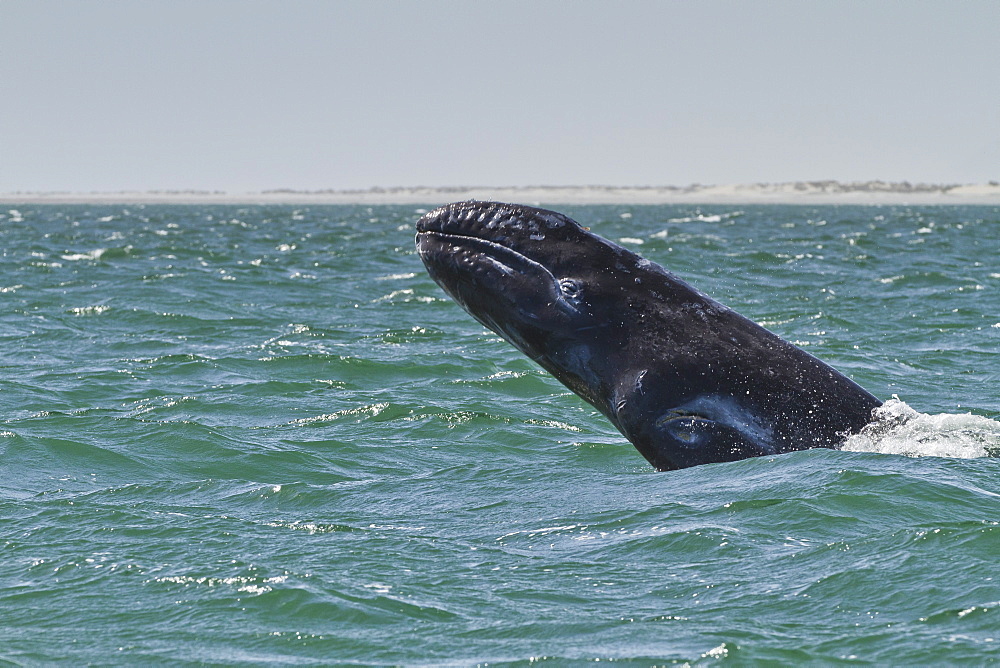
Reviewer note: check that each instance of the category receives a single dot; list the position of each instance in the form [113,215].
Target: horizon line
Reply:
[828,185]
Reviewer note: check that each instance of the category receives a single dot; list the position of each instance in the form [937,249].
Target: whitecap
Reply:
[706,218]
[899,429]
[396,277]
[92,255]
[90,310]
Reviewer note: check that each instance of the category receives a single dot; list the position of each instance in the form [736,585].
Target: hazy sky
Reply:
[244,96]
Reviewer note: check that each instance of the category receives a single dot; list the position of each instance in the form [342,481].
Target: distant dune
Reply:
[799,192]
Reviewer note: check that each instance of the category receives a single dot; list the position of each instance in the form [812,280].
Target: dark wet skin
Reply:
[687,380]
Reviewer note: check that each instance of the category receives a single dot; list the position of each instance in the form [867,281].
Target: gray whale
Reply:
[687,380]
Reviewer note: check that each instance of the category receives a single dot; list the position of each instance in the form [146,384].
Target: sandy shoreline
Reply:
[825,192]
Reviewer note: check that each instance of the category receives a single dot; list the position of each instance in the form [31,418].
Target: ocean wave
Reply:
[899,429]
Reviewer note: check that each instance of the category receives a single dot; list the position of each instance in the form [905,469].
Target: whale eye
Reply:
[570,288]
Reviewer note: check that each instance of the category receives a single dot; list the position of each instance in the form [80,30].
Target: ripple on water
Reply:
[264,435]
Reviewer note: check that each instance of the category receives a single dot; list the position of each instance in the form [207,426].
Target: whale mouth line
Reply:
[504,258]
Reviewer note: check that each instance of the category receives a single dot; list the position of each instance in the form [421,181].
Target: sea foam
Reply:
[899,429]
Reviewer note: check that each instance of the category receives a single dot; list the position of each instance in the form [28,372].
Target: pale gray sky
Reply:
[242,95]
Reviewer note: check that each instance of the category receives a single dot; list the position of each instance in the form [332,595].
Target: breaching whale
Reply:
[686,379]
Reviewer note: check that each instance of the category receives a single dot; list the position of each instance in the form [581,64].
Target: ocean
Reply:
[240,435]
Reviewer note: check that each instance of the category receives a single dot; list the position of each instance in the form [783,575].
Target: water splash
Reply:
[900,430]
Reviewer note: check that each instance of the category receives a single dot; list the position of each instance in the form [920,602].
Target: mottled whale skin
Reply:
[687,380]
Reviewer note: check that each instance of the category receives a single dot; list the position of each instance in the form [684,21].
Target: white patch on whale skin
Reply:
[552,222]
[638,380]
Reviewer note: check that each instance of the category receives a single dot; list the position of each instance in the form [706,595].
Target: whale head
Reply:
[540,281]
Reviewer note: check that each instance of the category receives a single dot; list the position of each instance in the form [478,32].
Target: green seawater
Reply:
[262,435]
